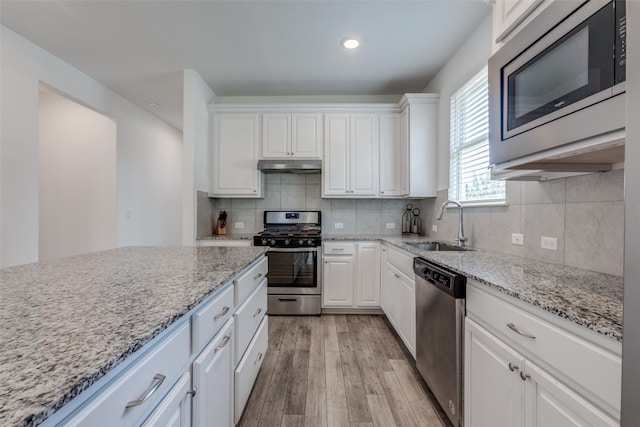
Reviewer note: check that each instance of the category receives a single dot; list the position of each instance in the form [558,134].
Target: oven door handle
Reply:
[313,249]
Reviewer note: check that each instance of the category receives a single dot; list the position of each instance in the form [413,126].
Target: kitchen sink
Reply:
[437,246]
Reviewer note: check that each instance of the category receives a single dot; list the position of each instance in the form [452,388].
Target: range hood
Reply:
[290,166]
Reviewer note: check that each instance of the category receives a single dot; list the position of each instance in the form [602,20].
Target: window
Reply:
[469,173]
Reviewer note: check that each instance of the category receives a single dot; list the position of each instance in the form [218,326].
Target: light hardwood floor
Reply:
[338,370]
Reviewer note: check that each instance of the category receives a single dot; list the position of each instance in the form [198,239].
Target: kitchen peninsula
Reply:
[68,323]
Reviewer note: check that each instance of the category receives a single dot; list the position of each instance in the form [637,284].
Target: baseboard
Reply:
[350,310]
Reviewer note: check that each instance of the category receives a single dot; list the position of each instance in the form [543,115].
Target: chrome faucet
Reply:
[461,239]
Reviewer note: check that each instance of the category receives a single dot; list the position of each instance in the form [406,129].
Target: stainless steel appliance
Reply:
[559,80]
[440,309]
[294,284]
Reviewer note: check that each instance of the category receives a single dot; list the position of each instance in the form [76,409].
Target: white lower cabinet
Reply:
[399,295]
[175,409]
[213,381]
[522,370]
[247,370]
[351,275]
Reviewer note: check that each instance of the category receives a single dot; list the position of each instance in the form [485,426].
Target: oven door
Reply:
[293,271]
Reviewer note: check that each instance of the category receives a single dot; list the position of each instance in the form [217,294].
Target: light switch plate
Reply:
[239,225]
[391,225]
[338,225]
[434,228]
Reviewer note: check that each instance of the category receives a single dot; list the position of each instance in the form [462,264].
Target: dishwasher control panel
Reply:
[446,280]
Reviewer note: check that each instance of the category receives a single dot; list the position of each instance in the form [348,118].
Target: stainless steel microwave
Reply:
[559,80]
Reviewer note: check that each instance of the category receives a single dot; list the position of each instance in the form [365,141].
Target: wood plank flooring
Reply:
[338,370]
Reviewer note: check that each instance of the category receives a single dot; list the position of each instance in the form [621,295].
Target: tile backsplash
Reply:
[585,213]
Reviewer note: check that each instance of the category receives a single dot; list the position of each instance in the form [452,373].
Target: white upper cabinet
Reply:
[394,154]
[235,155]
[351,155]
[510,15]
[297,135]
[420,121]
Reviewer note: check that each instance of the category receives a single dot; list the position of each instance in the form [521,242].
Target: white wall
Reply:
[149,161]
[467,62]
[197,96]
[77,182]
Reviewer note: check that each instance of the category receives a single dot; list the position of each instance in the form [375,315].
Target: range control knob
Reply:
[264,242]
[301,242]
[273,242]
[287,241]
[310,242]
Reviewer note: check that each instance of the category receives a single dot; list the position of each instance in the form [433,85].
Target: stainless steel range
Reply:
[294,284]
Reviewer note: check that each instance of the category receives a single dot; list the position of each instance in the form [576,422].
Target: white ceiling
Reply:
[138,48]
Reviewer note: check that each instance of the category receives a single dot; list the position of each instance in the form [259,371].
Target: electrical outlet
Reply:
[239,225]
[549,243]
[391,225]
[434,228]
[338,225]
[517,239]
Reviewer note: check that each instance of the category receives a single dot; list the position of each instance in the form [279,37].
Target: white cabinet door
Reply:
[276,135]
[368,275]
[213,380]
[550,403]
[336,171]
[394,284]
[306,135]
[392,156]
[407,322]
[175,409]
[338,281]
[364,154]
[235,155]
[508,14]
[494,394]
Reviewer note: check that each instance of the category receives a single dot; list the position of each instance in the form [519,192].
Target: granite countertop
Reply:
[230,236]
[66,323]
[587,298]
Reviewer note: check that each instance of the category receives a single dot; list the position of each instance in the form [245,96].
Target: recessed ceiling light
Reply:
[350,43]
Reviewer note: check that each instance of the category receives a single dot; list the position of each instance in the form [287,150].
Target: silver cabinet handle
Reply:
[337,249]
[225,341]
[193,392]
[513,367]
[524,376]
[520,331]
[258,311]
[258,359]
[257,276]
[224,311]
[158,379]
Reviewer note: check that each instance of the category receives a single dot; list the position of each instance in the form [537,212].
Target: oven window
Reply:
[293,269]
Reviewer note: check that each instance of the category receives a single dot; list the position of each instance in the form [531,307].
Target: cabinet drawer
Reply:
[153,376]
[210,318]
[592,368]
[249,280]
[248,317]
[338,248]
[402,261]
[247,370]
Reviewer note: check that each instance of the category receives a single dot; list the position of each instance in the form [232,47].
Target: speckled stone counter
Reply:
[66,323]
[230,236]
[587,298]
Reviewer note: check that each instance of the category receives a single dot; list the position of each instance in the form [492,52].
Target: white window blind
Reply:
[469,174]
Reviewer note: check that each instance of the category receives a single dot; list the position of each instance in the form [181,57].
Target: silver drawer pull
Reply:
[519,331]
[258,311]
[337,249]
[193,392]
[257,276]
[258,359]
[225,341]
[513,367]
[224,311]
[158,379]
[524,376]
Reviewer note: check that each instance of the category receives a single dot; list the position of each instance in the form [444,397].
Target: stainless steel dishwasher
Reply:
[440,309]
